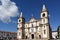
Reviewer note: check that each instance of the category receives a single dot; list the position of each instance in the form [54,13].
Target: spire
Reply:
[44,8]
[21,14]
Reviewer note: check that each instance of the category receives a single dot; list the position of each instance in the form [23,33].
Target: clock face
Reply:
[43,15]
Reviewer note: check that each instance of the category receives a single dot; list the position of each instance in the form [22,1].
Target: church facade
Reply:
[34,29]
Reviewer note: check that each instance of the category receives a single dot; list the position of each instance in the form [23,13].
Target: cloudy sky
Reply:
[10,10]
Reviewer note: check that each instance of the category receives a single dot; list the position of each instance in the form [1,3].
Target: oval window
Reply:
[44,15]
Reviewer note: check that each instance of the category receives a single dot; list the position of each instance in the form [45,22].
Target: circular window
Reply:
[19,20]
[43,15]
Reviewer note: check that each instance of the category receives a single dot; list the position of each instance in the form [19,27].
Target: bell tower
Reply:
[20,29]
[46,30]
[44,15]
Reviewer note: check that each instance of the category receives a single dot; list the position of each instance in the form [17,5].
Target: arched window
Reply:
[39,24]
[44,31]
[32,25]
[39,36]
[32,36]
[26,26]
[26,37]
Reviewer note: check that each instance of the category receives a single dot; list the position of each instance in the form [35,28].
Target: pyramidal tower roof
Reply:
[44,8]
[21,14]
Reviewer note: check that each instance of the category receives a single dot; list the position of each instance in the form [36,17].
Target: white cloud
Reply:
[8,9]
[15,22]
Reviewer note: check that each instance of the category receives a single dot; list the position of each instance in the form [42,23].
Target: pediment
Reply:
[32,20]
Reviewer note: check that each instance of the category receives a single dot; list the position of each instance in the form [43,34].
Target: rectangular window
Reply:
[43,20]
[32,25]
[32,30]
[44,26]
[19,33]
[44,31]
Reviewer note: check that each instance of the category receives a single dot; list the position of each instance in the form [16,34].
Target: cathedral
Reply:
[34,29]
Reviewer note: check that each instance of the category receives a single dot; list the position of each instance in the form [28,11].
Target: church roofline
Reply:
[33,21]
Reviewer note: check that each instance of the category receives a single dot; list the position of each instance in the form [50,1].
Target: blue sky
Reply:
[29,7]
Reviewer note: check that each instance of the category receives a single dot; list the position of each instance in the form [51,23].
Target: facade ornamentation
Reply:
[34,29]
